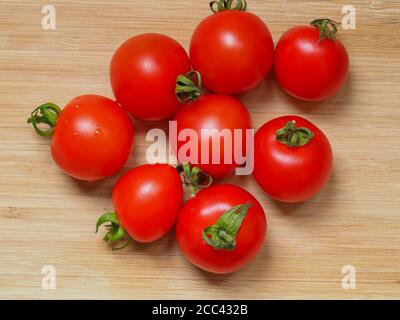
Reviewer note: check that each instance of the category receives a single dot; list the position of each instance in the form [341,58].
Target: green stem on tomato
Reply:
[188,86]
[115,231]
[222,234]
[223,5]
[48,114]
[292,136]
[327,28]
[193,178]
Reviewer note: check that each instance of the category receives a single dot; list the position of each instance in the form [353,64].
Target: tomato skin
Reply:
[147,200]
[202,211]
[233,50]
[307,68]
[143,75]
[214,111]
[291,174]
[93,138]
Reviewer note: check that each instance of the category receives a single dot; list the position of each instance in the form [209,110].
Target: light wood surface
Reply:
[46,218]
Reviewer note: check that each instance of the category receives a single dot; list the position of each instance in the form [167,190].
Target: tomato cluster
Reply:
[222,226]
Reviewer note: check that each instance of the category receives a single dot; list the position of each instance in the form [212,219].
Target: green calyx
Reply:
[223,5]
[327,28]
[115,231]
[47,114]
[188,87]
[222,234]
[193,178]
[292,136]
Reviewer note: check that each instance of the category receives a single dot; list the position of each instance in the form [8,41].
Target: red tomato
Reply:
[309,68]
[147,200]
[233,50]
[214,111]
[143,75]
[92,139]
[219,242]
[292,159]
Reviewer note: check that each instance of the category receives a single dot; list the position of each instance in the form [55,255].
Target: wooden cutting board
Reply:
[47,218]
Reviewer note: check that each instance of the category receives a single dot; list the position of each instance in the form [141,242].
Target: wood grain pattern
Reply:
[48,218]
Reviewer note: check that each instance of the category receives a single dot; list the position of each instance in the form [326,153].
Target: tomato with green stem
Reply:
[310,63]
[147,201]
[143,73]
[217,121]
[221,228]
[292,159]
[232,49]
[92,136]
[212,129]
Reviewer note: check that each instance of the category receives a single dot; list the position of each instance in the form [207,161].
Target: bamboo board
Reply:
[46,218]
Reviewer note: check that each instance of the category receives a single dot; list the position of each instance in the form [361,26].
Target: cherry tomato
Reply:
[147,200]
[216,112]
[292,159]
[92,136]
[310,64]
[232,49]
[221,229]
[143,75]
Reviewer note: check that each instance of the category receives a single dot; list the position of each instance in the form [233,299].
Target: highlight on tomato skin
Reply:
[92,137]
[293,159]
[143,73]
[147,201]
[221,229]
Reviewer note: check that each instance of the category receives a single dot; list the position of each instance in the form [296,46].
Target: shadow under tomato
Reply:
[97,188]
[321,201]
[159,247]
[265,92]
[335,105]
[251,271]
[142,126]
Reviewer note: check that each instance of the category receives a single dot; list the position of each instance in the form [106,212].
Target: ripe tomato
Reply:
[232,49]
[292,159]
[147,200]
[221,229]
[92,136]
[143,75]
[216,112]
[310,64]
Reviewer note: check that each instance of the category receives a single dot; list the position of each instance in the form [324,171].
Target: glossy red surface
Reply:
[143,75]
[147,200]
[291,174]
[204,210]
[93,138]
[307,68]
[233,50]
